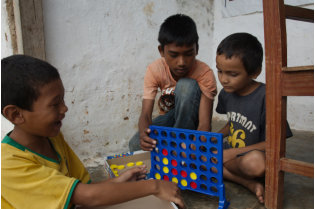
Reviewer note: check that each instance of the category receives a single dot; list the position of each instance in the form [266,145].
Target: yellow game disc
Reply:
[183,182]
[165,161]
[175,180]
[130,164]
[113,166]
[165,169]
[157,176]
[120,167]
[139,163]
[193,176]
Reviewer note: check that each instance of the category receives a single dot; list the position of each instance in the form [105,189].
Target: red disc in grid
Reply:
[183,174]
[164,152]
[193,185]
[174,171]
[174,163]
[166,178]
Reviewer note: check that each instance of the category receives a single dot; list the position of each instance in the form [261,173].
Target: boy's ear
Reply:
[161,50]
[13,114]
[197,49]
[254,76]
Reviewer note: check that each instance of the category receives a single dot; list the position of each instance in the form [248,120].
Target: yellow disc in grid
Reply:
[193,176]
[165,169]
[165,161]
[130,164]
[157,176]
[175,180]
[139,163]
[120,167]
[116,174]
[183,182]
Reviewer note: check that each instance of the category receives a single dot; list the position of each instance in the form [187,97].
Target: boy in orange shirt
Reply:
[38,168]
[187,85]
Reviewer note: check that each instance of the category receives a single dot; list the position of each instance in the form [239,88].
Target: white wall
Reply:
[102,48]
[6,50]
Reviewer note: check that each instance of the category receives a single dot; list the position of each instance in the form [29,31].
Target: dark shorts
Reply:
[227,146]
[244,153]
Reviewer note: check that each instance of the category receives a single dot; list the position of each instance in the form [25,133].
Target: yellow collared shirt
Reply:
[31,180]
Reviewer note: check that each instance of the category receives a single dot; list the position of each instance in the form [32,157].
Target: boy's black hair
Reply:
[179,29]
[246,47]
[21,79]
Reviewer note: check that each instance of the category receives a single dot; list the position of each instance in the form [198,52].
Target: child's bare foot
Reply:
[258,189]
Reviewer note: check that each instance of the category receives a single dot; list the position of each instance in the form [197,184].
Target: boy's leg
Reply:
[244,169]
[162,120]
[185,113]
[187,100]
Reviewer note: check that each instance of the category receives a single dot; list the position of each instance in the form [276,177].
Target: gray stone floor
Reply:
[298,190]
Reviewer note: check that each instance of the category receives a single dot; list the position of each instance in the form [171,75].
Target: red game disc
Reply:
[183,173]
[174,171]
[193,185]
[174,163]
[164,152]
[166,178]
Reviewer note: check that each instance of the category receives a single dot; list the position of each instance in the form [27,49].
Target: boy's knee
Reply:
[186,88]
[253,164]
[186,85]
[134,143]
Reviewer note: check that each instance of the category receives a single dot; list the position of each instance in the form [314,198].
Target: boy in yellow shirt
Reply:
[38,168]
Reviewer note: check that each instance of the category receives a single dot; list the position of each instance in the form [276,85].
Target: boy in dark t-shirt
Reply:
[242,99]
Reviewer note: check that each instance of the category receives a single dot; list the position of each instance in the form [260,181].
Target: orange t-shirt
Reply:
[158,76]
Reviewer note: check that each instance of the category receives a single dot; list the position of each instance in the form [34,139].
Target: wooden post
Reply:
[275,56]
[31,13]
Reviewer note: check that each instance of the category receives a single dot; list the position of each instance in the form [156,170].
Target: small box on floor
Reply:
[115,165]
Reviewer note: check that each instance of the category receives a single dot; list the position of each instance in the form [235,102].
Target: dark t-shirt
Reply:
[246,116]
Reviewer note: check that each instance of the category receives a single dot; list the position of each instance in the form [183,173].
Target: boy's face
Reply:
[180,59]
[47,111]
[233,76]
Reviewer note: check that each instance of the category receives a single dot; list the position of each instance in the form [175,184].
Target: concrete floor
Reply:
[298,190]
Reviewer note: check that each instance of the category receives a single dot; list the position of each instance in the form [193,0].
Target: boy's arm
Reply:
[205,113]
[145,119]
[111,192]
[225,130]
[229,154]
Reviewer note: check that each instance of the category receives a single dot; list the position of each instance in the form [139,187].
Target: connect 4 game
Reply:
[192,159]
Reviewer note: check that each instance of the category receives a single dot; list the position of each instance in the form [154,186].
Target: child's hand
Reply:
[169,191]
[146,142]
[132,174]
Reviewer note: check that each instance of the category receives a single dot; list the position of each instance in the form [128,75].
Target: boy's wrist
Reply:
[154,187]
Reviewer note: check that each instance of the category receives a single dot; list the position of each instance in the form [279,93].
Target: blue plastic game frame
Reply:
[192,159]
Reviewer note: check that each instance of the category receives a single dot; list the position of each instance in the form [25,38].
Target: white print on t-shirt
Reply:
[239,118]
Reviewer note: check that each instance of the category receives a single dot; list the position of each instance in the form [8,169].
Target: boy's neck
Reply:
[251,87]
[35,143]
